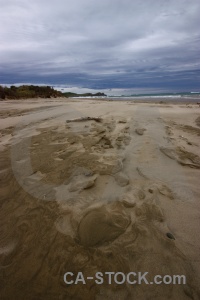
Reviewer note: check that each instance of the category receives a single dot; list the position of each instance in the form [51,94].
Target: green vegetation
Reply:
[34,91]
[28,91]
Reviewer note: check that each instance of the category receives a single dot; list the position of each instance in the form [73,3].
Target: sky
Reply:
[98,45]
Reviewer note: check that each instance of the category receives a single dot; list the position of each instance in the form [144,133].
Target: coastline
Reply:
[149,99]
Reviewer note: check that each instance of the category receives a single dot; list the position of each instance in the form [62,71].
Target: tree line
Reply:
[28,91]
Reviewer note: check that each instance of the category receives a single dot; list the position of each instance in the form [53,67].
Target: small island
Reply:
[69,94]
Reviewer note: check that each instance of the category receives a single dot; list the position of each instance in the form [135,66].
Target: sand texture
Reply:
[98,186]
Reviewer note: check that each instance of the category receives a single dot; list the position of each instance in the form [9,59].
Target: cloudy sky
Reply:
[106,44]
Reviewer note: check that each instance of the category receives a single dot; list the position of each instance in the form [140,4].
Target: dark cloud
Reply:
[101,44]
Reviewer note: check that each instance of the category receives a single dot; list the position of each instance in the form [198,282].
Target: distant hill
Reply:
[69,94]
[28,91]
[34,91]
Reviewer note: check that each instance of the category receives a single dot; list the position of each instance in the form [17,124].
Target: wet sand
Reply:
[116,194]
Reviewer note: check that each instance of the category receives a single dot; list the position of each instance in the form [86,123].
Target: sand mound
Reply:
[102,225]
[182,156]
[197,121]
[81,183]
[190,129]
[122,179]
[140,131]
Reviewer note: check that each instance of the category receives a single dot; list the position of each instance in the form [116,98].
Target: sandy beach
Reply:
[89,185]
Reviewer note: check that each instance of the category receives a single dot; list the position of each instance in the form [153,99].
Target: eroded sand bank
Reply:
[86,196]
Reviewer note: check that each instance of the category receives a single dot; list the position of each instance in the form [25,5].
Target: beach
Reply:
[98,185]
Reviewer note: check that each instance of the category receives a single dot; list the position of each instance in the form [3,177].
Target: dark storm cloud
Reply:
[109,43]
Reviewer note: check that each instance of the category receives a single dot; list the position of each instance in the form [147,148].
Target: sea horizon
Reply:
[119,92]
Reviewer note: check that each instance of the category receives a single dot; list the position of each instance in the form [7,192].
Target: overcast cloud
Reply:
[101,44]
